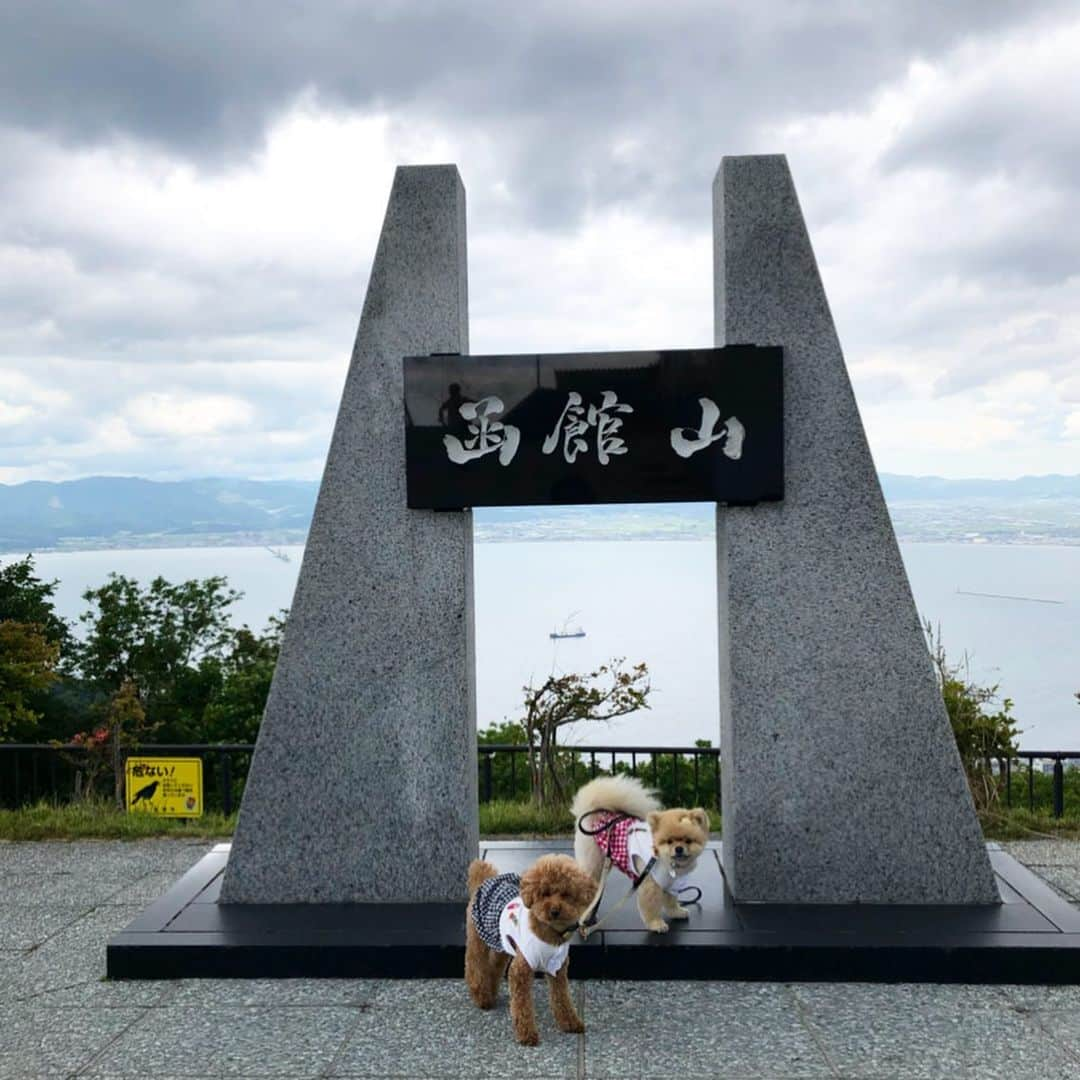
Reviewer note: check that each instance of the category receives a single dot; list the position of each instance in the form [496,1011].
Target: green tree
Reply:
[102,750]
[25,598]
[43,706]
[603,694]
[509,776]
[235,710]
[165,640]
[985,736]
[27,665]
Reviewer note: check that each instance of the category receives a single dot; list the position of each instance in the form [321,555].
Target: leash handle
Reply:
[609,824]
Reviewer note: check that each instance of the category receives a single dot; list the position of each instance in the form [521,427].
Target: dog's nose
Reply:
[678,849]
[555,912]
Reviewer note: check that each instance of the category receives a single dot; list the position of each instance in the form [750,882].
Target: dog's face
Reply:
[679,836]
[556,891]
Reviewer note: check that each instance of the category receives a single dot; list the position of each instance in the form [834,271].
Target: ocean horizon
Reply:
[1010,613]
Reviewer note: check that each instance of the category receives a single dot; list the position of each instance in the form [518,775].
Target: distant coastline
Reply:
[118,513]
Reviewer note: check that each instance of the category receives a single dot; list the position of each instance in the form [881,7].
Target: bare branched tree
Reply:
[603,694]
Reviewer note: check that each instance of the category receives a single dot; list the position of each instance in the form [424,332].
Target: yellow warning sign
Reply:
[169,786]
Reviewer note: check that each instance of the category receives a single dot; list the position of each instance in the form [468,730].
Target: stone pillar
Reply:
[363,784]
[841,779]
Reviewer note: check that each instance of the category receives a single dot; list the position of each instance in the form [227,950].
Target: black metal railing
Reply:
[31,772]
[1036,782]
[682,774]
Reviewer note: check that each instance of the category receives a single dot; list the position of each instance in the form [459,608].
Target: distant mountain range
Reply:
[929,488]
[114,512]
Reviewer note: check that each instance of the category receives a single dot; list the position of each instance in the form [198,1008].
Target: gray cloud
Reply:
[573,113]
[550,85]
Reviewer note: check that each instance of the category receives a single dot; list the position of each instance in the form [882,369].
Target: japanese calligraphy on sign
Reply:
[169,787]
[696,424]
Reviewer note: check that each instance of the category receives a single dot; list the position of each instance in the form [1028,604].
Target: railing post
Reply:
[1031,785]
[226,774]
[487,777]
[1059,788]
[1008,782]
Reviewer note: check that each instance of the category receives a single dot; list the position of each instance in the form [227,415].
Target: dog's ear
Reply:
[586,889]
[653,819]
[700,818]
[528,887]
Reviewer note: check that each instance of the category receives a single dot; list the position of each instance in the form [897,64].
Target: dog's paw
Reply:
[658,926]
[678,913]
[573,1027]
[529,1038]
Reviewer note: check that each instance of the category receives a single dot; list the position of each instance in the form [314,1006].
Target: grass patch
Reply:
[1021,824]
[506,819]
[102,821]
[501,818]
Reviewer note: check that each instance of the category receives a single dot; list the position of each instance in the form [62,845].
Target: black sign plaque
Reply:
[685,425]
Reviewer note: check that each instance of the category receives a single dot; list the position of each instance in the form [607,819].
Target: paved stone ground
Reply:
[59,903]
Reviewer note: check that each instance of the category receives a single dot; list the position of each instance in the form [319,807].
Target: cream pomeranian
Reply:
[623,820]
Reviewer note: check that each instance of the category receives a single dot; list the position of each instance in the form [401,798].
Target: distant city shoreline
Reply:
[119,513]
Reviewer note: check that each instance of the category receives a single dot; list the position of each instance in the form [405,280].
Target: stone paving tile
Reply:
[1064,880]
[898,997]
[25,926]
[1044,852]
[228,1041]
[71,965]
[1043,997]
[50,1042]
[699,1029]
[917,1032]
[431,1028]
[24,889]
[210,993]
[88,858]
[1063,1026]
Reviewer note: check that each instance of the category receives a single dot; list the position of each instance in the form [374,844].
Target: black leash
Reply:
[590,920]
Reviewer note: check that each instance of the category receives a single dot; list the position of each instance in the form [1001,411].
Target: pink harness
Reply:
[614,842]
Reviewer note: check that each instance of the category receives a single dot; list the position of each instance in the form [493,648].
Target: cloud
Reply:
[171,413]
[188,209]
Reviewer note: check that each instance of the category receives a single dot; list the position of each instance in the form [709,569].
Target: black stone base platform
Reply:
[1033,937]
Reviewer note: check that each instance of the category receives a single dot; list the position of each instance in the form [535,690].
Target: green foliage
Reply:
[235,709]
[35,655]
[163,639]
[673,775]
[27,665]
[25,598]
[985,737]
[100,820]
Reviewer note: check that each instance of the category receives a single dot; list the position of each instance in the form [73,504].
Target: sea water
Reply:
[1012,610]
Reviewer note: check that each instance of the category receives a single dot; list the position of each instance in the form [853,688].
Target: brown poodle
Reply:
[525,922]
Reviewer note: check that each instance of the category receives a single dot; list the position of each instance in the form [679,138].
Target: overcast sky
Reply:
[191,193]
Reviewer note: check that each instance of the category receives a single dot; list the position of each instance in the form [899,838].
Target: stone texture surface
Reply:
[362,784]
[841,780]
[59,1017]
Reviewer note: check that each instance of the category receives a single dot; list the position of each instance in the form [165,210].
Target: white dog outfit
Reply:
[502,921]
